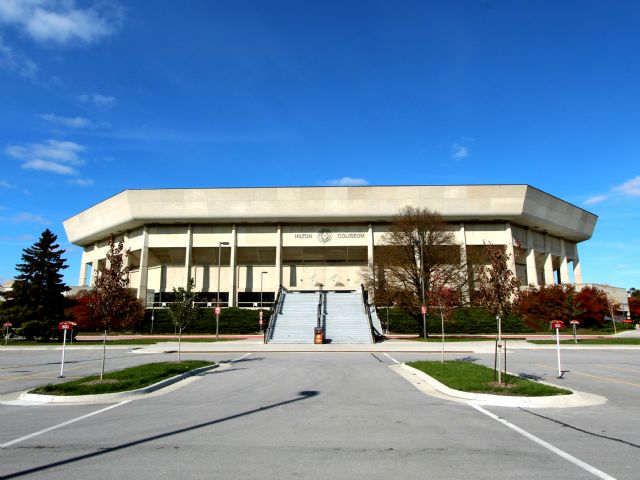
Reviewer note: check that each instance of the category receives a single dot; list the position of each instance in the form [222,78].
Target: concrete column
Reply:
[188,256]
[577,269]
[144,265]
[510,250]
[532,270]
[548,262]
[233,266]
[279,256]
[82,281]
[564,263]
[94,265]
[370,258]
[465,265]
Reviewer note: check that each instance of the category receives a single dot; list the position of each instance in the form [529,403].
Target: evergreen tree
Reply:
[38,292]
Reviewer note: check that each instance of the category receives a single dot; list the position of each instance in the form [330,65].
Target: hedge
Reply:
[464,320]
[232,321]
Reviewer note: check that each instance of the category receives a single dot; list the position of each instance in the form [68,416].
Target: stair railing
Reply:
[275,309]
[367,308]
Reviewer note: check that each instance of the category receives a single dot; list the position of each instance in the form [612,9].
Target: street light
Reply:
[261,276]
[424,306]
[218,294]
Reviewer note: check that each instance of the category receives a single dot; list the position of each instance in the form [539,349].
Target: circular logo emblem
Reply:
[324,235]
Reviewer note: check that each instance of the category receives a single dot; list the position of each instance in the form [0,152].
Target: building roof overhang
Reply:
[520,204]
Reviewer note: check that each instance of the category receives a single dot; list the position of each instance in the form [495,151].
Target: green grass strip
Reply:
[471,377]
[591,341]
[122,380]
[452,339]
[132,341]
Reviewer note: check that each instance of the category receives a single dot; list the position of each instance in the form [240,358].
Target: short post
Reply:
[6,325]
[574,324]
[558,324]
[64,326]
[217,322]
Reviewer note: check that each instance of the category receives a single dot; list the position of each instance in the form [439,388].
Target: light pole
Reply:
[423,309]
[261,276]
[218,294]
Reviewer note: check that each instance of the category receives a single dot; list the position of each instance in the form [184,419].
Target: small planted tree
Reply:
[444,298]
[496,292]
[183,310]
[112,303]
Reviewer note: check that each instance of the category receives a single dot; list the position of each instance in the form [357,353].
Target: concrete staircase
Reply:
[298,318]
[346,319]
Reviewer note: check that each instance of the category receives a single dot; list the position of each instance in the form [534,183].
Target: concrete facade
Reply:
[255,239]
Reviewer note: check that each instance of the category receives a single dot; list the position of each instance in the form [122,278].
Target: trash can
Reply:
[318,336]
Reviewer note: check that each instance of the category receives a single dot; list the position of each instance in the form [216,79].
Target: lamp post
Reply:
[218,294]
[261,276]
[423,309]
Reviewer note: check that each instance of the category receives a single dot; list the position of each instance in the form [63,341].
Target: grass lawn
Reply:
[471,377]
[451,339]
[592,341]
[122,380]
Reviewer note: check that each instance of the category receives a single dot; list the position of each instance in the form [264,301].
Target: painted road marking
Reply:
[597,377]
[60,425]
[576,461]
[391,358]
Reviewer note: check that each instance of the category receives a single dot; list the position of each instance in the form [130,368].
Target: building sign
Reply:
[320,235]
[324,235]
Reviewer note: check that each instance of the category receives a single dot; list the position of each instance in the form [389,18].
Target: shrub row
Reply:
[464,320]
[232,321]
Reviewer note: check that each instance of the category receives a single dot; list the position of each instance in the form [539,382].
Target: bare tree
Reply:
[418,245]
[183,310]
[497,287]
[113,304]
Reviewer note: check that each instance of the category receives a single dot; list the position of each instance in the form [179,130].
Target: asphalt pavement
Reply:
[322,415]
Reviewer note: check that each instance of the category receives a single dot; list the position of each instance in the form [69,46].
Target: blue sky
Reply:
[99,96]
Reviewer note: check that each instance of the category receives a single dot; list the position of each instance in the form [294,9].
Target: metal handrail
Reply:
[367,308]
[276,307]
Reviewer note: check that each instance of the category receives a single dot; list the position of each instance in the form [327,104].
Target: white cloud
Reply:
[48,166]
[59,21]
[630,187]
[31,218]
[97,99]
[72,122]
[5,184]
[459,151]
[15,62]
[81,182]
[596,199]
[54,150]
[347,181]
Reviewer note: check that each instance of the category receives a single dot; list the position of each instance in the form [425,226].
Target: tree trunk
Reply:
[104,353]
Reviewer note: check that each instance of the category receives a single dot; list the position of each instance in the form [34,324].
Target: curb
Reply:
[575,399]
[112,397]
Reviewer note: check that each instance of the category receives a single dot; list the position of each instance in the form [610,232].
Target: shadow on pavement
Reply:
[302,396]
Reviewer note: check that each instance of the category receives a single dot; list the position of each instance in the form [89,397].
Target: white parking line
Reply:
[60,425]
[548,446]
[391,358]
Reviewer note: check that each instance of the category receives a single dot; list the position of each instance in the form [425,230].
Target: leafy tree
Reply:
[634,292]
[183,310]
[38,291]
[417,248]
[113,304]
[593,305]
[497,287]
[634,307]
[561,302]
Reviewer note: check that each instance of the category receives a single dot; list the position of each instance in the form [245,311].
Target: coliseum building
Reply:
[245,242]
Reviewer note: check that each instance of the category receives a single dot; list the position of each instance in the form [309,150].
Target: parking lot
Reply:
[320,415]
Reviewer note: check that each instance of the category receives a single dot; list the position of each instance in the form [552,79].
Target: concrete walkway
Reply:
[389,346]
